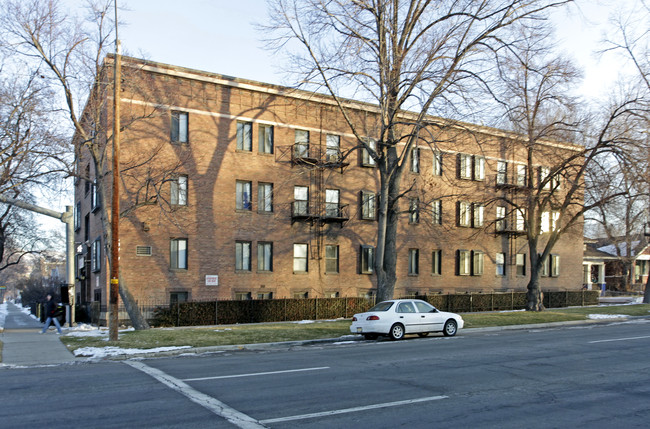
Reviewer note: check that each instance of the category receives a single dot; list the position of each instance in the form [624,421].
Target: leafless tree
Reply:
[417,56]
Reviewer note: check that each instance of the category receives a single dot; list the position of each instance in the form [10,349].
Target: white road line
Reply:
[353,410]
[619,339]
[256,374]
[217,407]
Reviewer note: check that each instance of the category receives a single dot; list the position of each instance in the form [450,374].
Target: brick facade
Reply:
[214,169]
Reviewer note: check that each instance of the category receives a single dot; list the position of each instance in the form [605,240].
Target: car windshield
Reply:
[382,306]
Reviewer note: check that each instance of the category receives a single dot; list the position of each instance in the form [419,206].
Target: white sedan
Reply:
[398,317]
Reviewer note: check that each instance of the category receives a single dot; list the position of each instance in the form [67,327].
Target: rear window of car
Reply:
[382,306]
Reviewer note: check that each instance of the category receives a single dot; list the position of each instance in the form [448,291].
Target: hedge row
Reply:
[278,310]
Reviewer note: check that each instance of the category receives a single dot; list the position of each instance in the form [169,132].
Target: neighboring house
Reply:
[268,195]
[612,265]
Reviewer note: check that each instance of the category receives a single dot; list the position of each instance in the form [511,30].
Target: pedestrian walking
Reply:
[50,312]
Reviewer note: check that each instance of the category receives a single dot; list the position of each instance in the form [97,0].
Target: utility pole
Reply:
[115,205]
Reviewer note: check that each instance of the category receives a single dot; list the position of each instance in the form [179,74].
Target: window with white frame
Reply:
[555,219]
[522,175]
[436,262]
[265,197]
[502,172]
[520,263]
[367,259]
[265,137]
[415,160]
[555,265]
[242,256]
[301,144]
[477,262]
[243,195]
[179,127]
[437,163]
[500,262]
[333,148]
[300,200]
[300,258]
[331,259]
[264,256]
[436,210]
[556,181]
[414,210]
[332,203]
[544,181]
[479,168]
[479,211]
[368,206]
[366,158]
[94,196]
[464,214]
[414,262]
[500,219]
[465,166]
[464,262]
[244,136]
[545,221]
[96,255]
[178,253]
[545,268]
[520,219]
[179,191]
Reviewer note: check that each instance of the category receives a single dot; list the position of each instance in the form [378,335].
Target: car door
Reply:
[408,316]
[430,317]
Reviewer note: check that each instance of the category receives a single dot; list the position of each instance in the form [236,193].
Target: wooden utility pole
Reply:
[115,204]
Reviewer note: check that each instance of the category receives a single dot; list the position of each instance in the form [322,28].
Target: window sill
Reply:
[243,272]
[243,151]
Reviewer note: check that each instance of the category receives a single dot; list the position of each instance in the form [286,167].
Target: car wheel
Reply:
[370,336]
[450,328]
[397,331]
[423,334]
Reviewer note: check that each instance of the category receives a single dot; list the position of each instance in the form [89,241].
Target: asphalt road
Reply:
[590,376]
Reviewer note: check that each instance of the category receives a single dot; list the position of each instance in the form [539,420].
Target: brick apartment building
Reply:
[249,190]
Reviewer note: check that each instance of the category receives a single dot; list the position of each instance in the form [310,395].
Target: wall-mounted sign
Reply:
[212,280]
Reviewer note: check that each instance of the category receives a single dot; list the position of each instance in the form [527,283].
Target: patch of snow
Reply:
[303,322]
[344,342]
[3,314]
[100,352]
[222,330]
[607,316]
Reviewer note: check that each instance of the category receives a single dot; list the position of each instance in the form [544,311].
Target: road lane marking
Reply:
[619,339]
[217,407]
[353,410]
[256,374]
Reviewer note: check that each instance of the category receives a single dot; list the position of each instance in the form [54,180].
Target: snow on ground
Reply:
[607,316]
[100,352]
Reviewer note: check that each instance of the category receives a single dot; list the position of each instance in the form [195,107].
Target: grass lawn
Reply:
[276,332]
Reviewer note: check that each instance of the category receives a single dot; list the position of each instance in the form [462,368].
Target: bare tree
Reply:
[416,56]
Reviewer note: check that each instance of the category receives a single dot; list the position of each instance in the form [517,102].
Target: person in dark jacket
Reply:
[50,313]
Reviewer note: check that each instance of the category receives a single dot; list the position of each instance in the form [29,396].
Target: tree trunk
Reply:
[534,296]
[131,306]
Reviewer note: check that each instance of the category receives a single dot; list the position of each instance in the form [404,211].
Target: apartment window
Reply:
[366,158]
[522,173]
[301,146]
[479,168]
[464,262]
[555,265]
[414,210]
[300,258]
[555,218]
[556,182]
[264,256]
[545,268]
[176,297]
[178,253]
[437,163]
[301,200]
[242,256]
[415,160]
[464,214]
[500,262]
[243,198]
[414,262]
[436,262]
[436,210]
[265,197]
[77,216]
[520,219]
[265,135]
[367,259]
[477,262]
[502,172]
[545,222]
[331,259]
[96,255]
[179,129]
[94,196]
[520,262]
[478,215]
[501,219]
[544,181]
[332,203]
[368,206]
[333,148]
[179,191]
[465,166]
[244,136]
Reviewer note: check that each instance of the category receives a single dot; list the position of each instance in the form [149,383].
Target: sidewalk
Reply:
[24,345]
